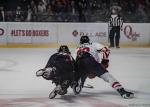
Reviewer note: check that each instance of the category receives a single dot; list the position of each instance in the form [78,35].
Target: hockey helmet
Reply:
[84,39]
[64,49]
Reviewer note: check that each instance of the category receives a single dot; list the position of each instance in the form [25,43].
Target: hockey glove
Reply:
[105,63]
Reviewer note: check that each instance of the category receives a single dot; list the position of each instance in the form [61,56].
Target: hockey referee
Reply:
[115,24]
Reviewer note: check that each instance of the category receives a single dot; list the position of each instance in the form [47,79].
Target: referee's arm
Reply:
[121,23]
[109,23]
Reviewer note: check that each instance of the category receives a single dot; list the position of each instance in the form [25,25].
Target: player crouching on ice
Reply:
[59,69]
[92,60]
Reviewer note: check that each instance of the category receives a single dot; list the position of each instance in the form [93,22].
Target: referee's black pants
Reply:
[114,34]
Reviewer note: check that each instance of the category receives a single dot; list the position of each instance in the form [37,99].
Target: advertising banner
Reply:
[132,34]
[3,33]
[135,34]
[72,32]
[45,33]
[19,32]
[31,33]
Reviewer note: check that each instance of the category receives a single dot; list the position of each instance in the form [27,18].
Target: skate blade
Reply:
[128,97]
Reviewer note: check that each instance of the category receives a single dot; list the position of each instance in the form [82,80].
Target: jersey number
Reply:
[85,49]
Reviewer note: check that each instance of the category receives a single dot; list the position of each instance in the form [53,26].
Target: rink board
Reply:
[51,34]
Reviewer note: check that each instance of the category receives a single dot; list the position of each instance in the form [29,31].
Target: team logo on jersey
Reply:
[1,31]
[130,34]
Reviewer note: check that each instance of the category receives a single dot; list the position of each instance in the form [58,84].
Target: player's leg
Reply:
[80,75]
[55,92]
[111,37]
[106,76]
[85,66]
[79,79]
[64,86]
[64,77]
[61,87]
[79,84]
[116,85]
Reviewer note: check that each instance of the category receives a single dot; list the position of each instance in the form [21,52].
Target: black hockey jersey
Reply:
[64,64]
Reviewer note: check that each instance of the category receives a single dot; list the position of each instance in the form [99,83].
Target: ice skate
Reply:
[64,87]
[125,94]
[55,92]
[77,87]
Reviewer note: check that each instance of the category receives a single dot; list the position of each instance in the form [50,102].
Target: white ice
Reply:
[19,87]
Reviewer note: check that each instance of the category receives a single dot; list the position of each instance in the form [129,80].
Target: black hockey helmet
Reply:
[84,39]
[64,49]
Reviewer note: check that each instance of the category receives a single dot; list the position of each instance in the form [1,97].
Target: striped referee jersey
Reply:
[115,21]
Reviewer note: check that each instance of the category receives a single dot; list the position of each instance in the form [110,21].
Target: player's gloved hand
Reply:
[49,73]
[105,63]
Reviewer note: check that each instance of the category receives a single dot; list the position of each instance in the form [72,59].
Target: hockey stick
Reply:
[88,86]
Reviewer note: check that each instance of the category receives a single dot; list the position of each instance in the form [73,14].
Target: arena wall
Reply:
[23,34]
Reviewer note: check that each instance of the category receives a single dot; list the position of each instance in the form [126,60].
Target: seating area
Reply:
[133,11]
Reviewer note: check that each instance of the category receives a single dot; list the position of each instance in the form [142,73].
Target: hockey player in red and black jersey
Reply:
[59,69]
[92,60]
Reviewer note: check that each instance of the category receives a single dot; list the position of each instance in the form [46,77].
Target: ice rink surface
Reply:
[19,87]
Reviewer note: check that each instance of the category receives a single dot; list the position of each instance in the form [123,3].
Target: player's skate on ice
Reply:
[92,60]
[59,69]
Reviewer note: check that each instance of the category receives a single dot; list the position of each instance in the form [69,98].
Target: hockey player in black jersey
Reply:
[92,60]
[59,69]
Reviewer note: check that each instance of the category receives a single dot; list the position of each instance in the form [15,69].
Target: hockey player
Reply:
[59,69]
[92,60]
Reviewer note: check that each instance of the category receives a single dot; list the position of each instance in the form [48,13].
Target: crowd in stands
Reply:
[136,11]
